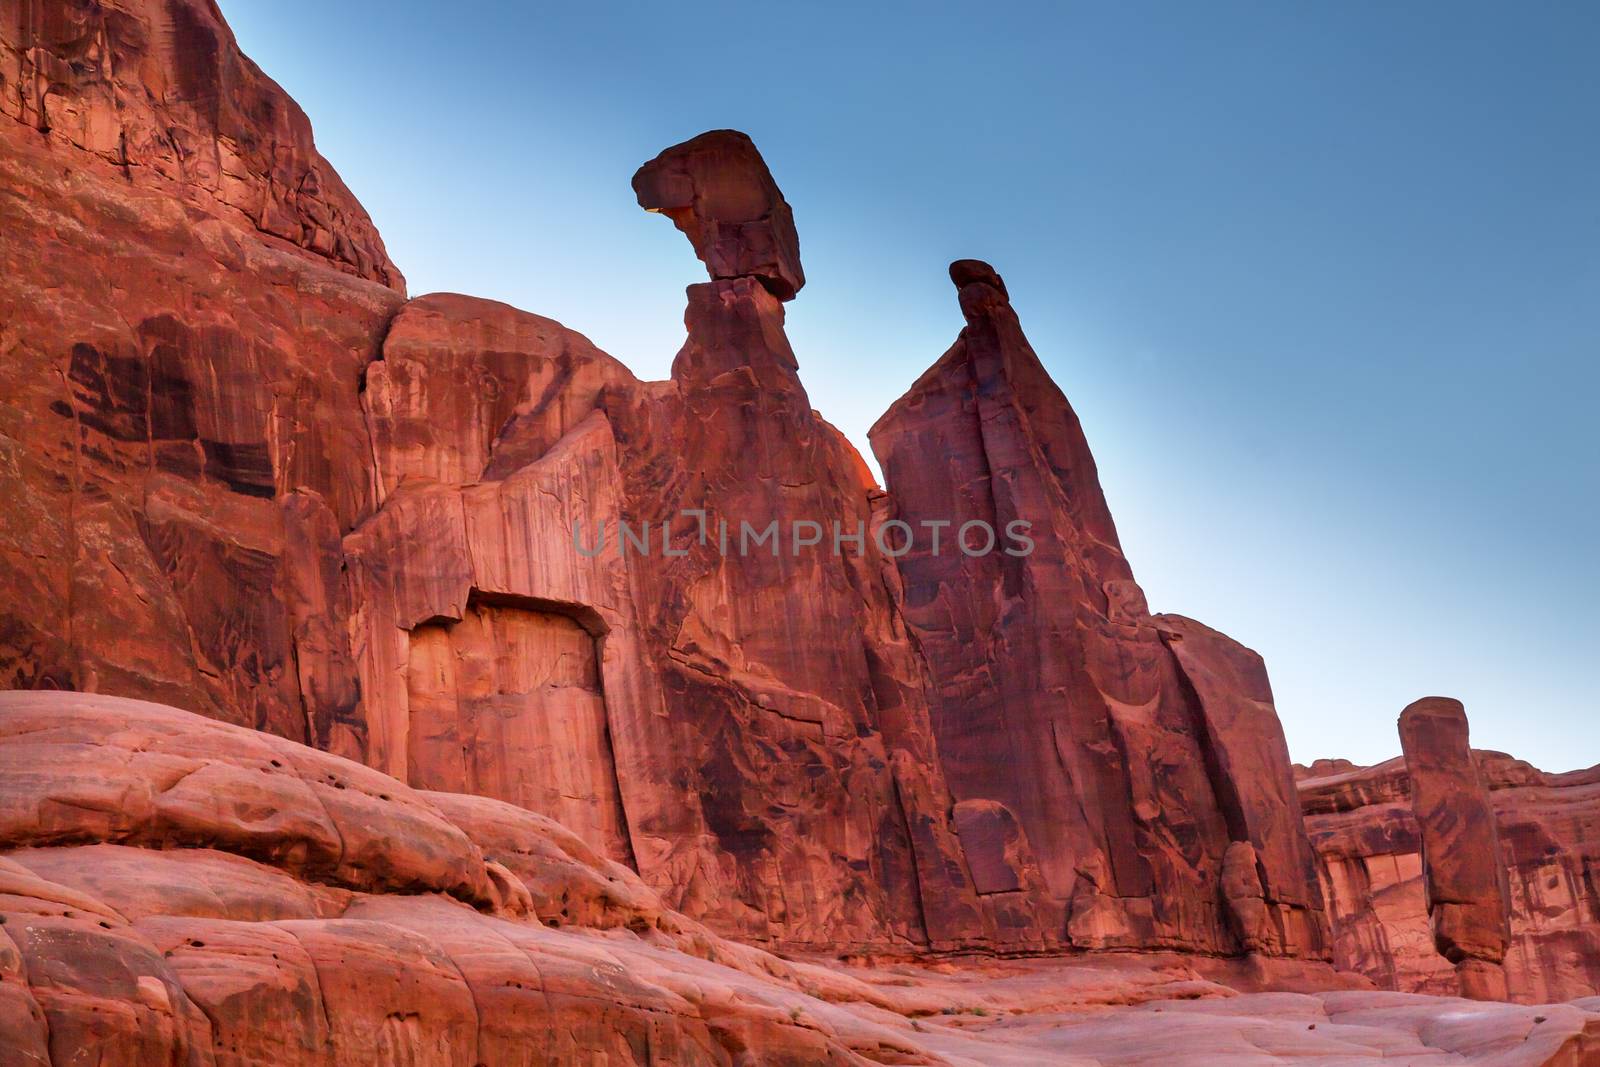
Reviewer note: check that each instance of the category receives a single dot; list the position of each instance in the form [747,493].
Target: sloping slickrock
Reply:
[81,768]
[157,951]
[1362,826]
[1130,749]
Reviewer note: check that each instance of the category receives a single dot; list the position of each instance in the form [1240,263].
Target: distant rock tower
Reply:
[1464,874]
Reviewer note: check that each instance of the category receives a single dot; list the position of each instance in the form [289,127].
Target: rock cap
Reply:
[965,272]
[717,189]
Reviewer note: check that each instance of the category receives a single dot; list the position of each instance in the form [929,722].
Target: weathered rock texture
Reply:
[176,890]
[1369,844]
[188,300]
[716,188]
[1125,753]
[1463,874]
[158,91]
[244,476]
[522,683]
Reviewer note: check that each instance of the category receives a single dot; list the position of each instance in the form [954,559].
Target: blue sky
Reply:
[1322,280]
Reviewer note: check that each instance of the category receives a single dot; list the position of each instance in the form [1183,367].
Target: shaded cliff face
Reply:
[1130,751]
[1462,870]
[189,299]
[250,480]
[159,90]
[1369,845]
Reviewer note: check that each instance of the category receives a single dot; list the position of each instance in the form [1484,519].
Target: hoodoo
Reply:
[322,744]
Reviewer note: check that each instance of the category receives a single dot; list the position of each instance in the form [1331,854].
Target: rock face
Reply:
[190,299]
[158,91]
[1370,846]
[716,188]
[1129,751]
[1463,873]
[176,890]
[246,477]
[522,684]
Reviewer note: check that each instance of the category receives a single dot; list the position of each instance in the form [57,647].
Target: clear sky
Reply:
[1322,280]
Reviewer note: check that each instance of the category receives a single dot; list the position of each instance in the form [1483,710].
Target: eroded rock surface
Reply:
[1369,844]
[244,476]
[716,188]
[1130,750]
[353,920]
[159,91]
[181,442]
[252,481]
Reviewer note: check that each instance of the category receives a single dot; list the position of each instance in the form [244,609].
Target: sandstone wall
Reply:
[188,302]
[245,476]
[1369,849]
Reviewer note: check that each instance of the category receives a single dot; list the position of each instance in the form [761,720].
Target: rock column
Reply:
[1462,868]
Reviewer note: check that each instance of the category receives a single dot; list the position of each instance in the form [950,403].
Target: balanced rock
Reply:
[716,188]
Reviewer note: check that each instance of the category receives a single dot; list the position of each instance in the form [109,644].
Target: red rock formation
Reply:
[296,514]
[716,188]
[247,479]
[1130,750]
[242,475]
[158,91]
[190,297]
[1463,873]
[175,890]
[1368,842]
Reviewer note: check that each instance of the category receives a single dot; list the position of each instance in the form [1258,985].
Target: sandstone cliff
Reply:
[254,482]
[461,790]
[1370,846]
[159,92]
[189,300]
[1120,755]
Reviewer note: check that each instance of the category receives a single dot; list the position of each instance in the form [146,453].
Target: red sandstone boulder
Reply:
[716,188]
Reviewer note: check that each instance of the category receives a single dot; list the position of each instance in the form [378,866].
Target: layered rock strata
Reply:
[1369,844]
